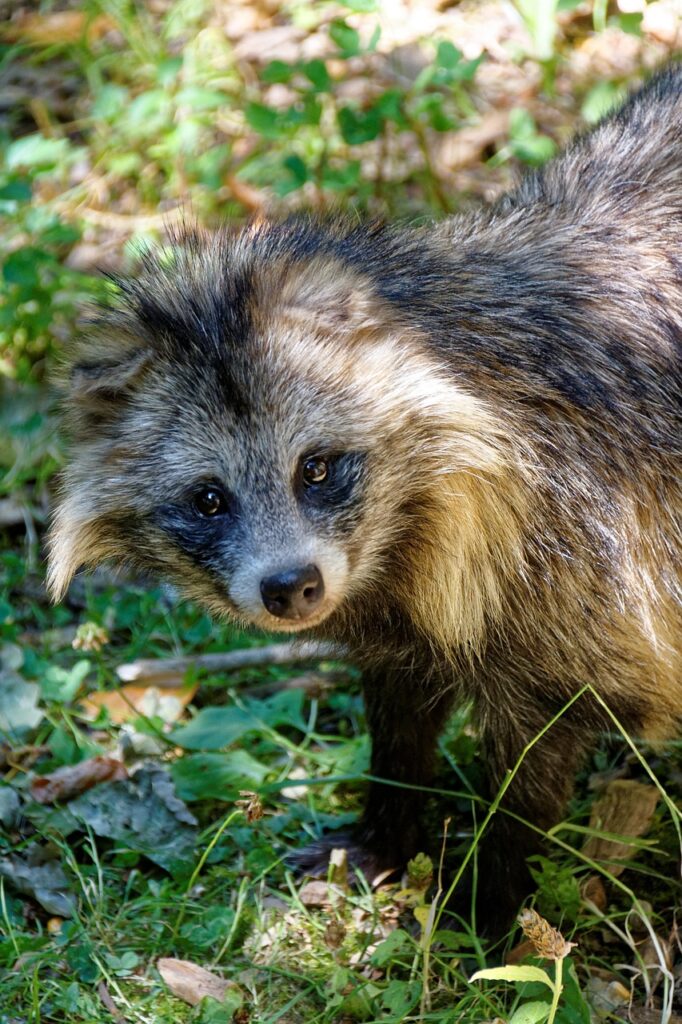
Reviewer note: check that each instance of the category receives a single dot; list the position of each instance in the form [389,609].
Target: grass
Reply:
[231,905]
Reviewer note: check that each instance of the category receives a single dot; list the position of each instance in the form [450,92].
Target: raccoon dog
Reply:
[453,450]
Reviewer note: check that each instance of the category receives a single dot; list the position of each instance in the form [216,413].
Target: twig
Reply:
[108,1003]
[147,669]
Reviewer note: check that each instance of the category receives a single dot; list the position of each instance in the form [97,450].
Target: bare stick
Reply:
[156,669]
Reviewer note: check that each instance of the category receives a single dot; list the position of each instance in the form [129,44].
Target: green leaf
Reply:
[535,151]
[297,169]
[214,728]
[401,996]
[359,126]
[447,55]
[80,958]
[630,23]
[346,38]
[395,944]
[574,1008]
[61,684]
[110,101]
[201,99]
[278,72]
[16,190]
[346,176]
[530,1013]
[263,120]
[361,6]
[520,973]
[216,776]
[316,71]
[217,728]
[37,151]
[601,98]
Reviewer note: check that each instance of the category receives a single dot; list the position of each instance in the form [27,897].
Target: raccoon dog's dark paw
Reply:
[313,860]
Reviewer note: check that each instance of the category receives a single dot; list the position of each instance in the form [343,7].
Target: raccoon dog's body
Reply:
[454,450]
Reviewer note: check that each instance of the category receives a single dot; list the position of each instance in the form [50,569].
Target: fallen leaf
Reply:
[131,701]
[192,983]
[145,813]
[9,807]
[19,711]
[74,779]
[626,808]
[37,873]
[56,27]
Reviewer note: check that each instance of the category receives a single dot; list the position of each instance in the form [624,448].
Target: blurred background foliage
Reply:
[121,118]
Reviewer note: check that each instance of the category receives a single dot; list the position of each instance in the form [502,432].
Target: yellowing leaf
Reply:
[192,983]
[130,701]
[514,974]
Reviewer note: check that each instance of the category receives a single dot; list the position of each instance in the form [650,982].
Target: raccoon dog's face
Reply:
[255,427]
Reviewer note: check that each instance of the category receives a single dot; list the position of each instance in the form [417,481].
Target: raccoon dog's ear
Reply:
[328,295]
[101,376]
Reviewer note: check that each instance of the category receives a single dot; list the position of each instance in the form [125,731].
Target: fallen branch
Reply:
[160,669]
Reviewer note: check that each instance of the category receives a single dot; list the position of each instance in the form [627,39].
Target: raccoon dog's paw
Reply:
[313,860]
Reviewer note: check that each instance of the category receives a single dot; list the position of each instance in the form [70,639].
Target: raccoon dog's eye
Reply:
[210,501]
[315,470]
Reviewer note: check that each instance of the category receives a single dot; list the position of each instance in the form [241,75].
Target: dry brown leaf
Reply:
[626,808]
[315,894]
[56,27]
[192,983]
[593,890]
[130,701]
[74,779]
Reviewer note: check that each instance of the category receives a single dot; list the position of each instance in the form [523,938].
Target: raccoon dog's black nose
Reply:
[294,594]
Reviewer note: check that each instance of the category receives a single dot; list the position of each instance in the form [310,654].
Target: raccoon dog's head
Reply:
[253,421]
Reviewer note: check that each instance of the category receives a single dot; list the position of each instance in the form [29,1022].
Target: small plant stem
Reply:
[509,778]
[197,871]
[558,988]
[241,896]
[6,918]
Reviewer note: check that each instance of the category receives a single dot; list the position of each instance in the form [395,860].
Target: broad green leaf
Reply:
[316,72]
[60,684]
[217,776]
[16,190]
[358,126]
[278,71]
[401,996]
[214,728]
[395,943]
[520,973]
[37,151]
[530,1013]
[601,98]
[346,38]
[447,55]
[263,120]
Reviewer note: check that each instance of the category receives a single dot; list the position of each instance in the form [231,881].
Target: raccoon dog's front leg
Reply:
[405,715]
[538,794]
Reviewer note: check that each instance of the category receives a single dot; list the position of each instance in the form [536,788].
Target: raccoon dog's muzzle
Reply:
[290,594]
